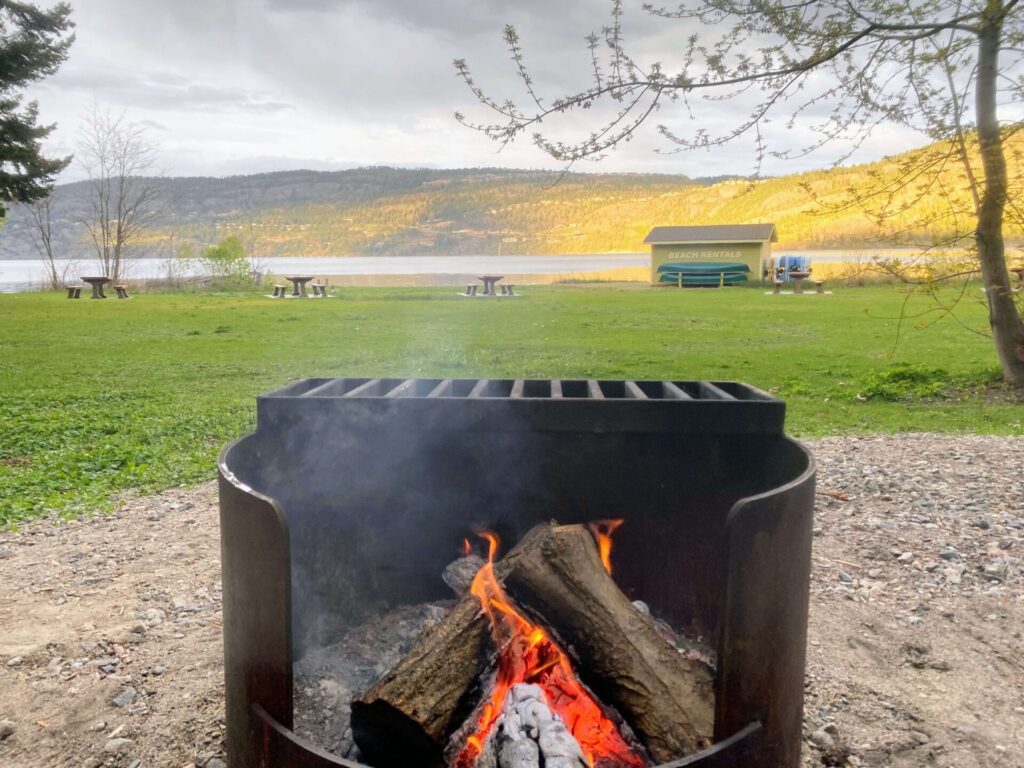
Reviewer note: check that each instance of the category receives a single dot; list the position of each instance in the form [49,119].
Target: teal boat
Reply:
[704,267]
[672,278]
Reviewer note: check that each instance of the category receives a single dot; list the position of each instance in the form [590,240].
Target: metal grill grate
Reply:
[523,389]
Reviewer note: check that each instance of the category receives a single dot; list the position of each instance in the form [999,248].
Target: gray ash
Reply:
[327,679]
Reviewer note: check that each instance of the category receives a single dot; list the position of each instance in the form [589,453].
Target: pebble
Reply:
[6,729]
[845,577]
[117,745]
[216,762]
[948,554]
[825,737]
[125,697]
[14,661]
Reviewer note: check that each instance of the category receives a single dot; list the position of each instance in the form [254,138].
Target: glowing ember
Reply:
[603,530]
[467,548]
[527,655]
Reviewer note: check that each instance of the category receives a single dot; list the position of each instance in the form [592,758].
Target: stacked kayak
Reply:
[703,273]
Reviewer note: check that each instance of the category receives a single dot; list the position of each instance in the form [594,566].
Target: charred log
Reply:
[556,574]
[407,716]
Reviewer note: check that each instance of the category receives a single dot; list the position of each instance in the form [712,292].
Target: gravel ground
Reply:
[110,647]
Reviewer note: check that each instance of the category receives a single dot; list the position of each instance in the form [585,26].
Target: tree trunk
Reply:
[1003,315]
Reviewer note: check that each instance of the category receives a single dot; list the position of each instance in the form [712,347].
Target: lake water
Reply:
[23,275]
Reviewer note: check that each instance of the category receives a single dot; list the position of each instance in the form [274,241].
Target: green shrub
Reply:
[905,382]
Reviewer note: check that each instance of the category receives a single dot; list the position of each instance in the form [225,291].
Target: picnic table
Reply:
[489,282]
[97,282]
[798,280]
[299,284]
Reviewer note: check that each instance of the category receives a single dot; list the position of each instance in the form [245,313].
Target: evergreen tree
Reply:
[33,44]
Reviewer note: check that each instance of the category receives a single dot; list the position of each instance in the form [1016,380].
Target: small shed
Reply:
[748,244]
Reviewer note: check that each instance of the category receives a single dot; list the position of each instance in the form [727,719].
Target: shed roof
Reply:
[734,233]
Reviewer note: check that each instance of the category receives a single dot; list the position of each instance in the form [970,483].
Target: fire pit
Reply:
[349,498]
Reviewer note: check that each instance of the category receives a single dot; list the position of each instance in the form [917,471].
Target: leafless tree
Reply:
[947,68]
[257,264]
[124,201]
[41,229]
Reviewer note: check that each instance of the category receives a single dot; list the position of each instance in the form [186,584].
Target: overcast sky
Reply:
[243,86]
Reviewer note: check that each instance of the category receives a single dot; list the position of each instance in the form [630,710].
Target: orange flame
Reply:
[527,655]
[603,530]
[467,548]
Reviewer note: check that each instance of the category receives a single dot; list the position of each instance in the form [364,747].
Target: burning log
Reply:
[406,717]
[556,574]
[529,735]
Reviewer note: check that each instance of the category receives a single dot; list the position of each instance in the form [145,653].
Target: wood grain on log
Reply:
[555,574]
[406,717]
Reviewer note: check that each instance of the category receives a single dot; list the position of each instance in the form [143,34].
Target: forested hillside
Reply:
[393,211]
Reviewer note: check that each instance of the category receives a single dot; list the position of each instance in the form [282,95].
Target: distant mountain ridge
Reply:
[399,211]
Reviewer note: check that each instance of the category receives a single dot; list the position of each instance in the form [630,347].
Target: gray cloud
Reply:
[166,91]
[230,84]
[464,17]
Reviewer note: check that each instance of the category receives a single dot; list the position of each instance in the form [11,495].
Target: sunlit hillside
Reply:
[390,211]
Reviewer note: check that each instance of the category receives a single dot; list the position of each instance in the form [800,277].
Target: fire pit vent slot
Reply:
[519,389]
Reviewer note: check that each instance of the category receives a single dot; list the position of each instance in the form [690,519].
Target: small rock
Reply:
[919,737]
[4,553]
[984,522]
[948,554]
[905,557]
[14,661]
[116,746]
[125,697]
[641,606]
[822,739]
[216,762]
[6,729]
[845,577]
[135,763]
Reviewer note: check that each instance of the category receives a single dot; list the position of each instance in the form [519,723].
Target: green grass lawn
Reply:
[99,397]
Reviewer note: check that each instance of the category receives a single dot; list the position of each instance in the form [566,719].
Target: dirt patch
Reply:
[110,653]
[111,648]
